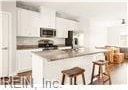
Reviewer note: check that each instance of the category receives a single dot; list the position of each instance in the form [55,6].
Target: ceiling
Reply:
[87,9]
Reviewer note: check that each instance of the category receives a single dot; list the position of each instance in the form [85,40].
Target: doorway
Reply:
[4,43]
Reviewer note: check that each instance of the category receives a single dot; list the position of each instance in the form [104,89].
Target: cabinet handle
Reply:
[5,48]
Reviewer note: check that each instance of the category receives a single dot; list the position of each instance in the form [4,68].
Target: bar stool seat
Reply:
[73,73]
[100,62]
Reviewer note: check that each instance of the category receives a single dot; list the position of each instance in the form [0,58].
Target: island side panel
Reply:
[37,69]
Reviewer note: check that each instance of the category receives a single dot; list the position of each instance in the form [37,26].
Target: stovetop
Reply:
[48,46]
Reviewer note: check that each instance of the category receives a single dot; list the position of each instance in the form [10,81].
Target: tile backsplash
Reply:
[34,41]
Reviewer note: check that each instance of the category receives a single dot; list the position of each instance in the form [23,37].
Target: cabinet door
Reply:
[0,44]
[4,43]
[35,24]
[28,23]
[23,22]
[0,60]
[61,28]
[52,19]
[0,28]
[24,59]
[48,18]
[72,25]
[76,26]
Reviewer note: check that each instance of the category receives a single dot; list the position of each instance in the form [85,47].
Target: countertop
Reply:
[25,47]
[53,55]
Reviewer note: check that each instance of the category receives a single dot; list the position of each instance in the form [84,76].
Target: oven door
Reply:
[47,33]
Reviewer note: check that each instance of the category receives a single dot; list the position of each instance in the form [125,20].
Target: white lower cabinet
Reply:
[24,60]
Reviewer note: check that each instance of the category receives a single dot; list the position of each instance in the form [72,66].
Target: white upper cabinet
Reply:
[28,23]
[61,28]
[65,25]
[72,25]
[48,18]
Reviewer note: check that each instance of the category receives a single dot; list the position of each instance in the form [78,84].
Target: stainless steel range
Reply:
[47,44]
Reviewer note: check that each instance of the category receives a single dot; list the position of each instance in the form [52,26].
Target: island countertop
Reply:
[53,55]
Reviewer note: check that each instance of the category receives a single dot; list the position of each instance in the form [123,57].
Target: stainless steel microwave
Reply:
[45,32]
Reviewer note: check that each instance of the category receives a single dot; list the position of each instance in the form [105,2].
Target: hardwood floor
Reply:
[119,74]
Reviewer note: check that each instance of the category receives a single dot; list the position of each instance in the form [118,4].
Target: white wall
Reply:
[102,31]
[84,27]
[95,32]
[11,7]
[0,6]
[98,33]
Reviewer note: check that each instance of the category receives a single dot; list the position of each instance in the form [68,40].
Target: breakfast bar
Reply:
[49,64]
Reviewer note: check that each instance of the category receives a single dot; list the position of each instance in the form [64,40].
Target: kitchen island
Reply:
[49,64]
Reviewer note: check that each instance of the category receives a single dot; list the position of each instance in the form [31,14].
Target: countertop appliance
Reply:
[47,44]
[71,40]
[46,32]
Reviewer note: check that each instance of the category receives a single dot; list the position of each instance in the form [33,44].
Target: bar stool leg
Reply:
[83,79]
[70,80]
[63,79]
[75,80]
[108,73]
[92,73]
[99,74]
[101,71]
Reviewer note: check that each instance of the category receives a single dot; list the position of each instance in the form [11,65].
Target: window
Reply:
[123,40]
[124,37]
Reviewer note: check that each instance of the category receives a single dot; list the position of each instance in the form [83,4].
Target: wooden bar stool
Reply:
[102,76]
[73,73]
